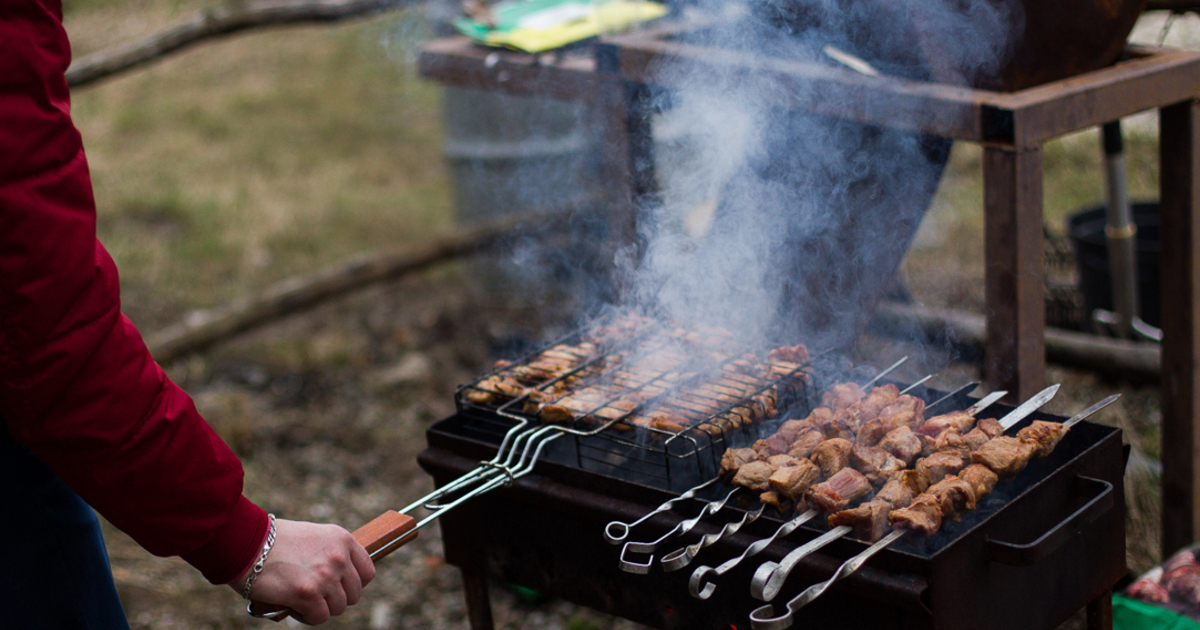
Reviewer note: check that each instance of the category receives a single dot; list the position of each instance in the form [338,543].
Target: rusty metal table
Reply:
[1011,127]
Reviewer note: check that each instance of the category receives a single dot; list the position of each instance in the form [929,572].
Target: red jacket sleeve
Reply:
[77,385]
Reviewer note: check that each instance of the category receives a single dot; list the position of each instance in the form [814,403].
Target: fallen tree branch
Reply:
[219,22]
[205,328]
[1132,360]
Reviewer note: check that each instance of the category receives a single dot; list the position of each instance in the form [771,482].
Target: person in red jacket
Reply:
[87,413]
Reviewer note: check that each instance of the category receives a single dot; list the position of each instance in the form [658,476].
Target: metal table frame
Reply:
[1011,127]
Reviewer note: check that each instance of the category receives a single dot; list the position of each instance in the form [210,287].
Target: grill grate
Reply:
[652,399]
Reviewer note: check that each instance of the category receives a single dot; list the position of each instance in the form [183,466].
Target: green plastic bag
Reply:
[1131,614]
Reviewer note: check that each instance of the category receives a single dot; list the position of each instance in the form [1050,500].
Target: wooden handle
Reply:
[383,529]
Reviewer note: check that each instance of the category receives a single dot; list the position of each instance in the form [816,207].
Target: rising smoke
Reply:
[813,215]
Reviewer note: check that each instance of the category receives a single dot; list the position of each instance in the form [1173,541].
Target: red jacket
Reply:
[77,385]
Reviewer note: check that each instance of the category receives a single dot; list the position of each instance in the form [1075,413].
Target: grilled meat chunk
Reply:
[794,480]
[982,480]
[1045,434]
[1006,456]
[734,458]
[754,476]
[778,461]
[832,455]
[903,444]
[839,490]
[958,421]
[806,443]
[939,465]
[876,464]
[875,401]
[902,488]
[953,495]
[841,396]
[922,515]
[984,430]
[869,520]
[776,500]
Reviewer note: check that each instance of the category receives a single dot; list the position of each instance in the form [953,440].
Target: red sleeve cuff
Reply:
[234,547]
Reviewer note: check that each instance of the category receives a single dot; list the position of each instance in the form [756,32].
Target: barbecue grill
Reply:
[1033,553]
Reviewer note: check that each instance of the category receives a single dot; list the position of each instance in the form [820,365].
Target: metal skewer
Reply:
[760,619]
[683,527]
[769,578]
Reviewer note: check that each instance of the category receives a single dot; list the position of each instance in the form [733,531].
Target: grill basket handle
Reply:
[383,535]
[1023,555]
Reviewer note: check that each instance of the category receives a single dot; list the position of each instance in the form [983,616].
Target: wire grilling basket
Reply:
[652,400]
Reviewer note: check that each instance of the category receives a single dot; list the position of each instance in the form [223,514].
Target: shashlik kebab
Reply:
[900,488]
[682,557]
[1000,458]
[700,584]
[616,531]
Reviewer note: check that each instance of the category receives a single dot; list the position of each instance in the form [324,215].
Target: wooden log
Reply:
[219,22]
[206,328]
[1136,361]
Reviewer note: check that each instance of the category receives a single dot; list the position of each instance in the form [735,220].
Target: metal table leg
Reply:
[479,604]
[1100,612]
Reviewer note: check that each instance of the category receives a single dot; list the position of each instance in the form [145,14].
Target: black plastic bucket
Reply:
[1086,230]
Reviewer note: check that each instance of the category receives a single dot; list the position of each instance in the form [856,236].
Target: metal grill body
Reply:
[1035,551]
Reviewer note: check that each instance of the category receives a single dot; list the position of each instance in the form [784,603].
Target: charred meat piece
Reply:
[940,465]
[806,443]
[869,520]
[776,444]
[903,444]
[735,458]
[754,476]
[832,455]
[794,480]
[902,488]
[982,480]
[1006,456]
[876,464]
[923,515]
[839,490]
[950,440]
[958,421]
[953,495]
[842,396]
[1045,434]
[777,461]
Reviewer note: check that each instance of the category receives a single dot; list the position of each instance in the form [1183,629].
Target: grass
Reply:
[231,166]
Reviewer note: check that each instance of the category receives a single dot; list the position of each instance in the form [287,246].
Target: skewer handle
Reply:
[383,535]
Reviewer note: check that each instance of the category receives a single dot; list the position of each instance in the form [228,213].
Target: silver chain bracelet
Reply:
[262,557]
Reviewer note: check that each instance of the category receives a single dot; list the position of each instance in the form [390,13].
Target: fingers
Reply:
[316,570]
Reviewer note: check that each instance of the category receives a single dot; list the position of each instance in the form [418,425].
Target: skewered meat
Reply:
[806,443]
[937,466]
[875,401]
[903,444]
[869,520]
[1045,434]
[775,500]
[734,458]
[841,396]
[953,496]
[754,476]
[958,421]
[984,430]
[839,490]
[922,515]
[876,464]
[795,354]
[982,480]
[832,455]
[794,480]
[1006,456]
[777,461]
[905,410]
[902,488]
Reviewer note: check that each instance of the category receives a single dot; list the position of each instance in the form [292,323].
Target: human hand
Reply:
[313,569]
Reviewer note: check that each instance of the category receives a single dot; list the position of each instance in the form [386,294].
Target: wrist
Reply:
[244,584]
